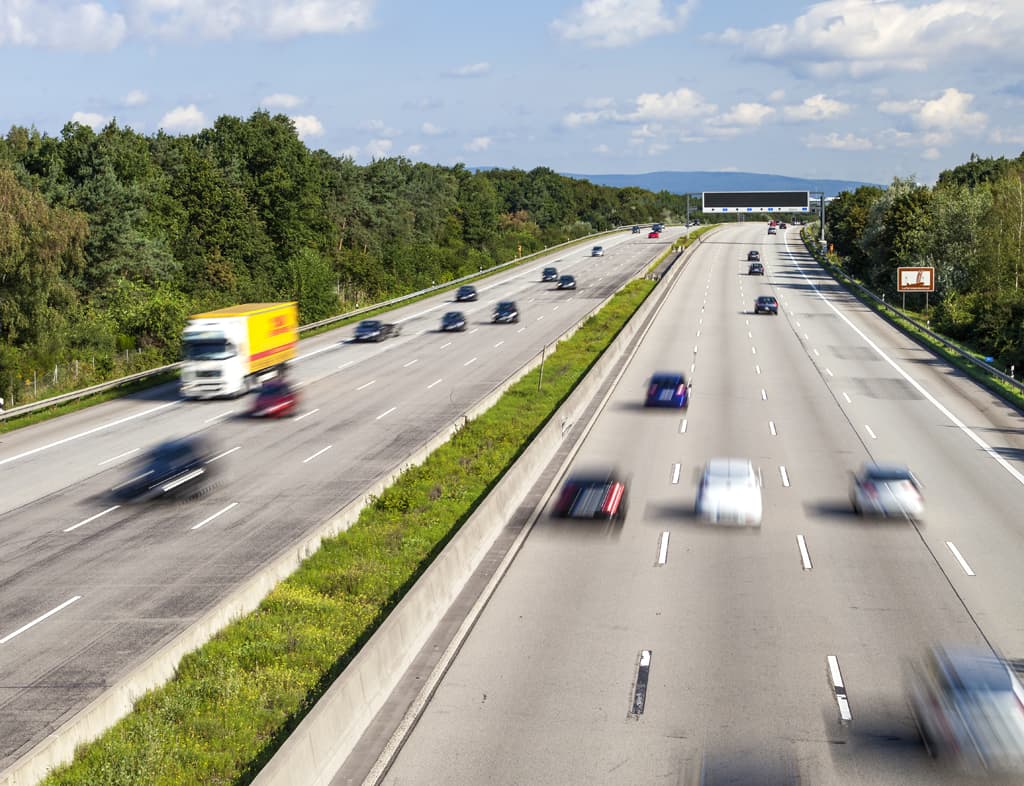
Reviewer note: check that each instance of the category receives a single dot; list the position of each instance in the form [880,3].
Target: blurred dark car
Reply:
[636,230]
[567,282]
[597,251]
[549,274]
[782,225]
[753,256]
[657,227]
[172,468]
[465,292]
[592,495]
[668,389]
[453,320]
[766,304]
[375,330]
[755,269]
[276,398]
[506,311]
[653,234]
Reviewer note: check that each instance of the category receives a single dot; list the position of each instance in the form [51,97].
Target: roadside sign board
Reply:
[915,279]
[756,201]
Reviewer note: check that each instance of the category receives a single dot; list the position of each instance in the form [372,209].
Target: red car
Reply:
[275,399]
[653,234]
[594,495]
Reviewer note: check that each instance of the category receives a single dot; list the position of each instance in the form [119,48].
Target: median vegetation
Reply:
[235,700]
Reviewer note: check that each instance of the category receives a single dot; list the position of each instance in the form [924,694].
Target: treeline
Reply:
[110,239]
[969,227]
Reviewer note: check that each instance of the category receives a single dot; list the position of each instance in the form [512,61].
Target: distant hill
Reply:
[697,182]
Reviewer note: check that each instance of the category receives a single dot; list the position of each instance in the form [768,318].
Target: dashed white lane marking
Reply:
[346,364]
[698,334]
[806,337]
[219,416]
[119,456]
[521,330]
[540,317]
[675,473]
[817,354]
[443,346]
[307,414]
[498,344]
[73,527]
[960,558]
[555,308]
[829,372]
[692,367]
[318,453]
[764,395]
[871,433]
[771,427]
[694,349]
[839,688]
[757,368]
[406,365]
[663,548]
[682,426]
[753,350]
[220,512]
[435,382]
[474,330]
[468,362]
[797,324]
[749,334]
[365,386]
[805,557]
[785,475]
[385,414]
[39,619]
[225,453]
[848,401]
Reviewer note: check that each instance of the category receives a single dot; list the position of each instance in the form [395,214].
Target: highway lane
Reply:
[90,590]
[740,624]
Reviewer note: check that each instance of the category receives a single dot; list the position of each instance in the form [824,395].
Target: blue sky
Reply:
[852,89]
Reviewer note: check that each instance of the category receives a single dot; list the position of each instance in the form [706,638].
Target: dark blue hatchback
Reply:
[668,389]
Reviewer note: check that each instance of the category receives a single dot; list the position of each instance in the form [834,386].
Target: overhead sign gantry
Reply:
[756,201]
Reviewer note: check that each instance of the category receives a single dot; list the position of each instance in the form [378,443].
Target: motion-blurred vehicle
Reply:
[668,389]
[592,495]
[453,320]
[755,269]
[465,293]
[375,330]
[886,490]
[276,398]
[772,231]
[597,251]
[653,234]
[549,274]
[729,491]
[766,304]
[782,225]
[753,256]
[506,311]
[172,468]
[969,708]
[567,282]
[636,229]
[657,227]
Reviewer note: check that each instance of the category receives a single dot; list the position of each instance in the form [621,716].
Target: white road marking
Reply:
[220,512]
[225,453]
[753,350]
[531,300]
[219,416]
[307,414]
[521,330]
[385,414]
[319,452]
[682,426]
[806,337]
[805,557]
[555,308]
[798,324]
[839,688]
[771,427]
[692,367]
[366,385]
[871,433]
[540,317]
[474,330]
[89,432]
[848,401]
[446,345]
[698,334]
[498,344]
[39,619]
[675,473]
[817,354]
[749,334]
[960,558]
[435,382]
[471,360]
[760,478]
[757,368]
[785,475]
[406,365]
[119,456]
[829,372]
[346,364]
[764,395]
[694,349]
[91,518]
[663,549]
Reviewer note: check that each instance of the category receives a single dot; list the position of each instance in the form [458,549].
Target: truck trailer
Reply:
[227,352]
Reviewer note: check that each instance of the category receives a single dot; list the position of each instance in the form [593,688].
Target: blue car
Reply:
[668,389]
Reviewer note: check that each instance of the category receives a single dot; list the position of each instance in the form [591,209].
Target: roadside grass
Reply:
[235,699]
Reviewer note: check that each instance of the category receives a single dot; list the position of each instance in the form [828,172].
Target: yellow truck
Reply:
[228,351]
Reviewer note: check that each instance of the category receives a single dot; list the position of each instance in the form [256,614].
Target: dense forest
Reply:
[969,227]
[110,239]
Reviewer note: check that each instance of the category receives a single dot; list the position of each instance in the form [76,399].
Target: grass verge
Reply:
[234,700]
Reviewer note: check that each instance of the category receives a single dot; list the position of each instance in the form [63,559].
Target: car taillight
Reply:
[681,390]
[611,500]
[870,490]
[653,391]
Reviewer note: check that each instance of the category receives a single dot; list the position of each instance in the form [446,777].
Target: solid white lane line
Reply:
[91,518]
[406,365]
[682,427]
[307,414]
[771,427]
[839,688]
[119,456]
[446,345]
[220,512]
[848,401]
[39,619]
[805,557]
[89,432]
[319,452]
[871,433]
[385,414]
[225,453]
[365,386]
[675,473]
[764,395]
[960,558]
[829,372]
[471,360]
[498,344]
[757,368]
[435,382]
[663,549]
[785,475]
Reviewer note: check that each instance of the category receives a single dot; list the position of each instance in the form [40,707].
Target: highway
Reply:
[90,589]
[772,655]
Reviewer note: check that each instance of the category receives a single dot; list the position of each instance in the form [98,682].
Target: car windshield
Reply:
[369,324]
[668,381]
[208,349]
[888,474]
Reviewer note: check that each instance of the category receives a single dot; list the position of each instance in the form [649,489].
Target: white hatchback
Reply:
[886,490]
[730,491]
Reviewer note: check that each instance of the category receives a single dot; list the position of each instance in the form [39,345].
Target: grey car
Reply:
[886,490]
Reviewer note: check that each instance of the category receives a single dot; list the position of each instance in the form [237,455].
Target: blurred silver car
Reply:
[969,708]
[886,490]
[730,491]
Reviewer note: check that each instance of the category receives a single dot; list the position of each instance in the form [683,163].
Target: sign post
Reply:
[915,279]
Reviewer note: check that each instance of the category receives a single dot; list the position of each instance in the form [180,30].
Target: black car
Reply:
[453,320]
[636,229]
[172,468]
[549,274]
[567,282]
[506,311]
[597,495]
[753,256]
[766,304]
[375,330]
[657,227]
[465,292]
[756,269]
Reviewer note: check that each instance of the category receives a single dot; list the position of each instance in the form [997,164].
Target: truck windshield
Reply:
[208,349]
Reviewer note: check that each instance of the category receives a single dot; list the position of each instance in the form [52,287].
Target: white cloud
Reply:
[479,144]
[135,98]
[777,95]
[752,114]
[1002,137]
[602,150]
[378,148]
[280,101]
[349,152]
[379,129]
[835,142]
[308,125]
[414,150]
[615,23]
[646,131]
[185,119]
[817,107]
[599,103]
[52,24]
[92,119]
[677,105]
[471,70]
[577,119]
[657,149]
[431,130]
[940,116]
[931,153]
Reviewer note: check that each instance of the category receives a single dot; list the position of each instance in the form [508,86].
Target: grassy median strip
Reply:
[234,700]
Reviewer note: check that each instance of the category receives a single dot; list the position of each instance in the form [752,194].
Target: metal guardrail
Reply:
[64,398]
[822,259]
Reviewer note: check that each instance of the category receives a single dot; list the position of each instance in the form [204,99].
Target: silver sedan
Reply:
[886,490]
